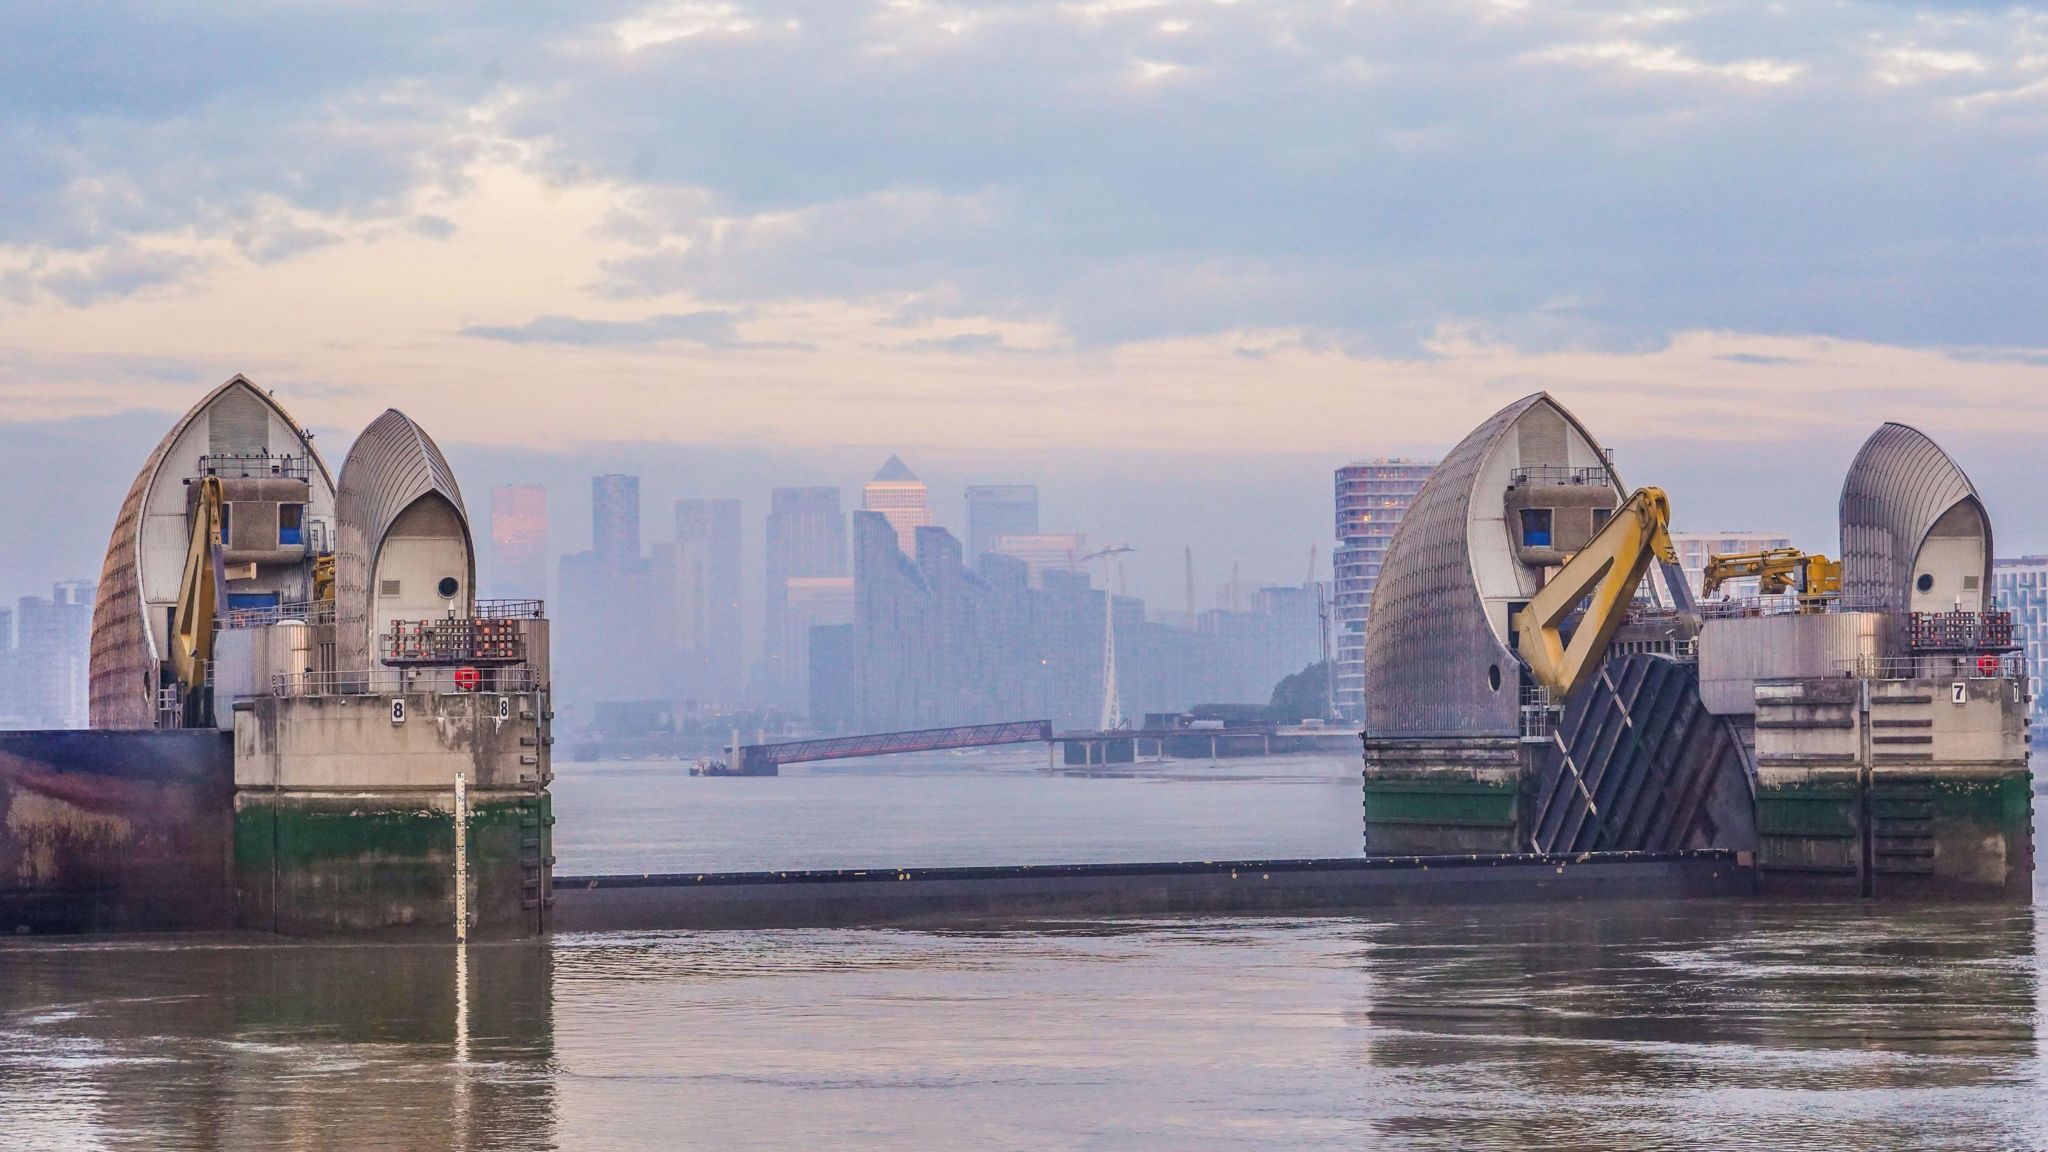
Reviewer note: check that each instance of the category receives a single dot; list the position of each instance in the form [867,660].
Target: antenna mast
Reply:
[1112,707]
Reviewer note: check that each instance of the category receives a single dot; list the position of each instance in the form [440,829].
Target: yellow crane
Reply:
[1777,571]
[1604,575]
[199,596]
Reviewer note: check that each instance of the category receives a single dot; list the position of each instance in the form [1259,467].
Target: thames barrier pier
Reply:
[302,670]
[1540,680]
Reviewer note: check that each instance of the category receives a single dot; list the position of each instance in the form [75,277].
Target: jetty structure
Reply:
[306,722]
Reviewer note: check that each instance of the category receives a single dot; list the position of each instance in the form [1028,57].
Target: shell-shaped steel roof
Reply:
[1429,649]
[123,667]
[1900,484]
[392,465]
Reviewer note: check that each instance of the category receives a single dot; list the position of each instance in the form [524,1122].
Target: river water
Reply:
[1623,1026]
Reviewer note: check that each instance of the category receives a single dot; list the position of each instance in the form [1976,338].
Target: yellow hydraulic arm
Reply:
[323,577]
[1605,573]
[200,593]
[1777,571]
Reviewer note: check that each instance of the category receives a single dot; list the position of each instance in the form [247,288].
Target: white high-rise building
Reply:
[1372,496]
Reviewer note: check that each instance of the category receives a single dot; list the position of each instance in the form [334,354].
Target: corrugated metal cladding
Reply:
[123,672]
[1899,485]
[391,465]
[238,425]
[1428,648]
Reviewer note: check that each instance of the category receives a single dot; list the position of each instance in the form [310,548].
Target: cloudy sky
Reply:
[1132,250]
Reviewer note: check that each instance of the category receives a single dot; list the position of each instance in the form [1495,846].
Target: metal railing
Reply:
[1936,666]
[255,465]
[510,609]
[1540,714]
[1746,606]
[1557,474]
[396,681]
[306,612]
[455,640]
[1959,631]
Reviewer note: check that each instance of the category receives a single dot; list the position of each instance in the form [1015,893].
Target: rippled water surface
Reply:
[1624,1026]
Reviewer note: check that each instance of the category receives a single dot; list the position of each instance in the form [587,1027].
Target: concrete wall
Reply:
[344,821]
[350,742]
[1909,788]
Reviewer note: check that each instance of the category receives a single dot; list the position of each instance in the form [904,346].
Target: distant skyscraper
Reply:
[806,540]
[1045,552]
[902,500]
[519,541]
[1372,496]
[611,632]
[47,682]
[708,588]
[615,519]
[812,602]
[2021,588]
[998,510]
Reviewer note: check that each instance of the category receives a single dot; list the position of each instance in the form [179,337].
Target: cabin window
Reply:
[1535,527]
[1600,518]
[291,524]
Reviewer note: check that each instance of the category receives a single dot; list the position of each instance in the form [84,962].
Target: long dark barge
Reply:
[928,896]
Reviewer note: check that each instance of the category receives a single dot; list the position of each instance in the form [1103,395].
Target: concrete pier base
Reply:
[1906,789]
[1442,797]
[344,817]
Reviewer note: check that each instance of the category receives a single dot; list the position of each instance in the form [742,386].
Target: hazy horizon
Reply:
[1263,512]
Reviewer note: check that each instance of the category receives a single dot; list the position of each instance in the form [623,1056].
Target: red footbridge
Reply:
[763,759]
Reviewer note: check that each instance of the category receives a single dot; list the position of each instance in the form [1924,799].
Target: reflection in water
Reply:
[1574,1027]
[234,1044]
[1709,1025]
[1560,1027]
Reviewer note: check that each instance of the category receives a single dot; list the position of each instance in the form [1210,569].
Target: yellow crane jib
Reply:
[199,594]
[1605,575]
[1777,571]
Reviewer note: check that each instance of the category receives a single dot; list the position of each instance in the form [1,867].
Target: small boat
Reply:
[706,767]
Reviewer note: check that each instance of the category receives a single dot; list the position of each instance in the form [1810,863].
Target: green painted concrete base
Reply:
[1440,815]
[1914,833]
[383,864]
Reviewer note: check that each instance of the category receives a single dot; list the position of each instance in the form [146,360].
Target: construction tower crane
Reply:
[1816,579]
[1604,576]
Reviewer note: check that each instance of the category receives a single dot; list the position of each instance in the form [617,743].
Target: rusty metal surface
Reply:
[115,831]
[393,464]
